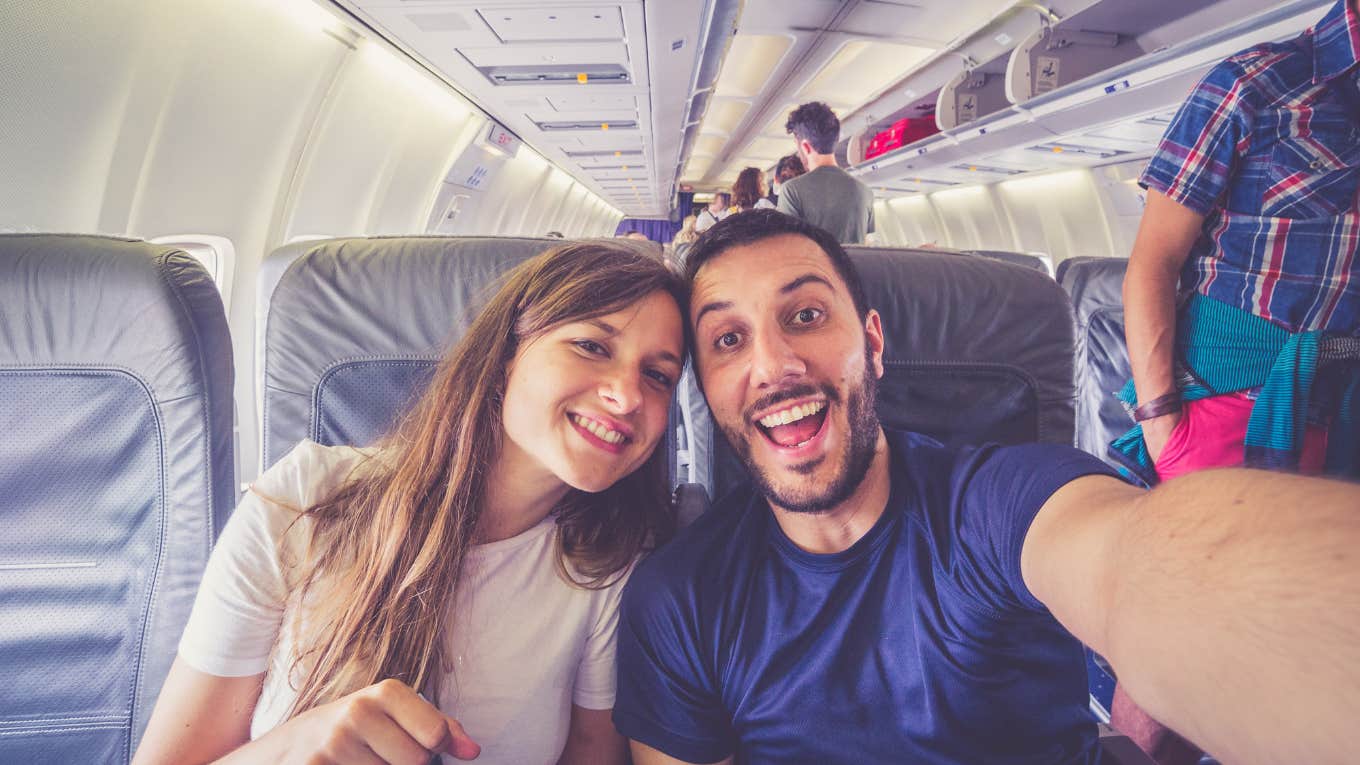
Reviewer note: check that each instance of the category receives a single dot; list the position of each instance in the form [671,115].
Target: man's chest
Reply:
[1302,159]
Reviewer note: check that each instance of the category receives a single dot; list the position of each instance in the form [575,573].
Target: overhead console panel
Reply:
[972,94]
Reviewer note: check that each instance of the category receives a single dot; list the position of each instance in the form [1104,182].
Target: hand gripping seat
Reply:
[1095,286]
[116,475]
[977,350]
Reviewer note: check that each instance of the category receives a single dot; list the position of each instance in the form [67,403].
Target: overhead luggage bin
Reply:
[1053,57]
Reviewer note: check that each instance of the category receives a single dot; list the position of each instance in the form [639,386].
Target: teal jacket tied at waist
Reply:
[1226,349]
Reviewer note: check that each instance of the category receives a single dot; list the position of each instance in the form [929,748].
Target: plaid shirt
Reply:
[1267,148]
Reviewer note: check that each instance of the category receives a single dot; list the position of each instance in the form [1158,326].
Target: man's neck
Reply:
[815,161]
[842,526]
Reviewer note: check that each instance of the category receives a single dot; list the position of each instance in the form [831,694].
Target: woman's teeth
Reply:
[599,431]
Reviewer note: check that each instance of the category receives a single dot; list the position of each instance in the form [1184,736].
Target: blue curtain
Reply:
[660,231]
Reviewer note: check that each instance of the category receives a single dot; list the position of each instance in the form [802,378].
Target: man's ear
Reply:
[873,337]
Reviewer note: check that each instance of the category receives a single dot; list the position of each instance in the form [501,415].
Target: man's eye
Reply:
[591,347]
[807,316]
[728,340]
[661,377]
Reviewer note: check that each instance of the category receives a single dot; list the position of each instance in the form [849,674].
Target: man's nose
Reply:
[774,360]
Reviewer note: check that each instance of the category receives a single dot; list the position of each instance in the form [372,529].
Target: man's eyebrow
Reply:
[717,305]
[804,279]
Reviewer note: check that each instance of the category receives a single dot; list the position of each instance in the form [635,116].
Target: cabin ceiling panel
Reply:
[750,60]
[600,22]
[567,53]
[520,61]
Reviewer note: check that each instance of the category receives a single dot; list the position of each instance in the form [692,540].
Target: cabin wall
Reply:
[1064,214]
[143,117]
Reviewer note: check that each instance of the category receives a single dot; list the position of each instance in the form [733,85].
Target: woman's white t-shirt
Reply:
[526,645]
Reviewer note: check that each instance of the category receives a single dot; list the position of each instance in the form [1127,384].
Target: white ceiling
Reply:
[619,138]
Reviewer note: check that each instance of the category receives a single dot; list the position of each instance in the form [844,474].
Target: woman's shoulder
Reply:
[309,473]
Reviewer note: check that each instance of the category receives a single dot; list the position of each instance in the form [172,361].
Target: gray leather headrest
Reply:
[356,327]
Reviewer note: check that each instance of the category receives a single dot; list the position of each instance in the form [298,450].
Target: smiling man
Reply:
[876,597]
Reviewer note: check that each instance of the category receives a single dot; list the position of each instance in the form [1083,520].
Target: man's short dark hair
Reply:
[790,166]
[757,225]
[815,123]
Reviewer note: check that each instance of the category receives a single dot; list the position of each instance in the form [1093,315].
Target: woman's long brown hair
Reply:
[386,550]
[746,191]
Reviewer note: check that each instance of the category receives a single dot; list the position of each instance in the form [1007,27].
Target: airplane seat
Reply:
[1017,258]
[116,476]
[977,350]
[1096,286]
[356,327]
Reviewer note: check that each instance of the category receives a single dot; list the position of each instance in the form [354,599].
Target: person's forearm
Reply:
[1234,613]
[1150,324]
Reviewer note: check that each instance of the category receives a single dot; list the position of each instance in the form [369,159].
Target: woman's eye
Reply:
[727,340]
[591,347]
[807,316]
[661,377]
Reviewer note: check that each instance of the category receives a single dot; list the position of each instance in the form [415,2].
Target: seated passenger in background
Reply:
[876,597]
[748,193]
[476,555]
[717,209]
[825,196]
[1254,207]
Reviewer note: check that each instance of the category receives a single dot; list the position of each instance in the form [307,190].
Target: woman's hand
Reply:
[383,724]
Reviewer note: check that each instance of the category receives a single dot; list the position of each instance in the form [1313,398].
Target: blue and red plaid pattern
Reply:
[1267,148]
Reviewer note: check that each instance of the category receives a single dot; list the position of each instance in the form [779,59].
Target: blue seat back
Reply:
[1095,286]
[116,475]
[977,350]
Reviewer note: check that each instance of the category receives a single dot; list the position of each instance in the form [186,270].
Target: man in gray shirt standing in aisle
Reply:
[825,196]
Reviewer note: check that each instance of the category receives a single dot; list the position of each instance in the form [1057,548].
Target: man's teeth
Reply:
[792,415]
[600,431]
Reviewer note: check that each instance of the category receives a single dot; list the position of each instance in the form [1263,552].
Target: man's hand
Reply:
[1157,431]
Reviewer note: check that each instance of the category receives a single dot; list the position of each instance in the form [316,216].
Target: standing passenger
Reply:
[1252,205]
[716,211]
[826,196]
[476,555]
[748,193]
[789,167]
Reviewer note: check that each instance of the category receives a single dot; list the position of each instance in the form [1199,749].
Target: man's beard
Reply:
[855,458]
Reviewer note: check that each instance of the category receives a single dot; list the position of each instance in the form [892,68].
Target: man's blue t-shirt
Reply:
[920,643]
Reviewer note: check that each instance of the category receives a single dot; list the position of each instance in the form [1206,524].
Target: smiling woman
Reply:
[476,555]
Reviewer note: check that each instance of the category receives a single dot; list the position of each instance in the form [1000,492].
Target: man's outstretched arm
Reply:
[1228,602]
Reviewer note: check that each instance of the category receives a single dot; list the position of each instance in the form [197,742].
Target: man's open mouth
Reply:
[794,426]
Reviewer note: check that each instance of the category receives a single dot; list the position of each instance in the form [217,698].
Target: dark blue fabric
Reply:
[920,643]
[660,231]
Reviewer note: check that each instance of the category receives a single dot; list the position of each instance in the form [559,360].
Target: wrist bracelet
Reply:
[1164,404]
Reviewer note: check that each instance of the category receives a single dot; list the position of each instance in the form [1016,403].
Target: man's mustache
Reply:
[802,390]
